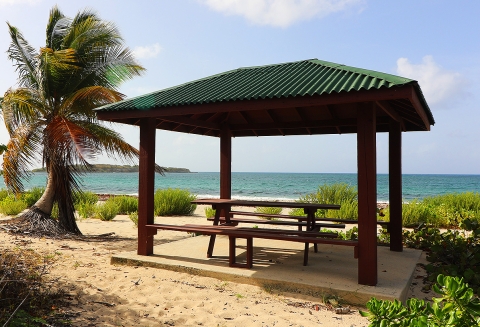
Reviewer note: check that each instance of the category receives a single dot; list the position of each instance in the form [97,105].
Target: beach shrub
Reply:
[84,197]
[209,212]
[442,211]
[3,194]
[32,196]
[10,206]
[134,217]
[457,306]
[27,296]
[268,211]
[86,209]
[340,193]
[126,204]
[106,211]
[453,253]
[174,202]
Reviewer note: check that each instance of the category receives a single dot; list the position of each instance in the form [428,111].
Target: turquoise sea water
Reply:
[269,186]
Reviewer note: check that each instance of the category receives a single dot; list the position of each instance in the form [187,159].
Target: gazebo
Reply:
[306,97]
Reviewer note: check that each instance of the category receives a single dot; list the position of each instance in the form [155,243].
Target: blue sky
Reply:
[433,41]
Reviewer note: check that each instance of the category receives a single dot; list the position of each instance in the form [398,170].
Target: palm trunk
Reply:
[45,203]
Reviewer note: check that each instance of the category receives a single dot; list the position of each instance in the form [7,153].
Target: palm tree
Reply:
[50,115]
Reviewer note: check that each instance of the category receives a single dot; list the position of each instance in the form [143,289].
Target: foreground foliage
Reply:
[457,306]
[174,202]
[341,193]
[453,253]
[27,297]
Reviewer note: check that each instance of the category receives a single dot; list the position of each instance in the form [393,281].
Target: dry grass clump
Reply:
[27,297]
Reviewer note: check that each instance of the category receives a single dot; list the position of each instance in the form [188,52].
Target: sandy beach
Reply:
[101,294]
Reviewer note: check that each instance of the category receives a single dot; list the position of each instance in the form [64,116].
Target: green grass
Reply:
[341,193]
[32,196]
[442,211]
[126,204]
[106,211]
[86,209]
[209,212]
[174,202]
[85,197]
[134,218]
[268,211]
[10,206]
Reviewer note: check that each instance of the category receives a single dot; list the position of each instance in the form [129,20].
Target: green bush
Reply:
[86,209]
[209,212]
[341,193]
[3,194]
[457,306]
[10,206]
[174,202]
[33,195]
[84,197]
[126,204]
[453,253]
[268,211]
[106,211]
[134,217]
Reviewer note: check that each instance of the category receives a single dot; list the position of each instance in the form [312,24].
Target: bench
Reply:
[234,232]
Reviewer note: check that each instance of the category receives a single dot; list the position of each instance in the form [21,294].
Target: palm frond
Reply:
[22,149]
[82,102]
[24,58]
[22,106]
[57,26]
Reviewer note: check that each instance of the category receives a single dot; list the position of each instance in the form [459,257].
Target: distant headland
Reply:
[104,168]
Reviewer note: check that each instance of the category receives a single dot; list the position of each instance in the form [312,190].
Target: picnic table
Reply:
[224,215]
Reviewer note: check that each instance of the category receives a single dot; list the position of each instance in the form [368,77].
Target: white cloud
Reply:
[17,2]
[438,85]
[279,13]
[146,52]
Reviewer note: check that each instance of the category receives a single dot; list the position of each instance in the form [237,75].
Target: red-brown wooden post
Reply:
[395,185]
[225,163]
[146,185]
[367,195]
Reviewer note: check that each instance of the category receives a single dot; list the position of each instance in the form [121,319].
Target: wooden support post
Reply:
[395,185]
[146,185]
[225,163]
[367,194]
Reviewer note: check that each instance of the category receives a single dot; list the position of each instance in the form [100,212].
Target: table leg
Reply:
[305,254]
[216,221]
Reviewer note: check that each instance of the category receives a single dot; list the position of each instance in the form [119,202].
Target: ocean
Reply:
[268,186]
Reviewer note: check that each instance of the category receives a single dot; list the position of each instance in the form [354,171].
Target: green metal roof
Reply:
[300,78]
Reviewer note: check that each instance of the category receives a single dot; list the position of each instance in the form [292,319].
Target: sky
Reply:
[436,42]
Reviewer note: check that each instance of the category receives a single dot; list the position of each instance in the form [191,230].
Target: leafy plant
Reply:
[134,217]
[209,212]
[106,211]
[268,211]
[453,253]
[84,197]
[173,202]
[3,194]
[10,206]
[457,306]
[126,204]
[340,193]
[86,209]
[33,195]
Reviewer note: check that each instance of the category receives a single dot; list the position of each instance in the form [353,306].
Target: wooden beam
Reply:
[404,92]
[395,185]
[391,112]
[419,108]
[274,117]
[367,195]
[302,117]
[247,120]
[146,185]
[191,122]
[334,115]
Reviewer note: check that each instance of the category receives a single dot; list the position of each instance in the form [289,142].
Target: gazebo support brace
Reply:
[146,185]
[395,186]
[367,195]
[225,163]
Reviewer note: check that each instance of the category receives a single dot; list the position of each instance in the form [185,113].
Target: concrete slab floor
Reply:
[278,266]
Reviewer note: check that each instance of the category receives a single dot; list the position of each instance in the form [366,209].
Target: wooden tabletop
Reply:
[280,204]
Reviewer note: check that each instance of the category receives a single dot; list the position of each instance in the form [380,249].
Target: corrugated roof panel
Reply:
[301,78]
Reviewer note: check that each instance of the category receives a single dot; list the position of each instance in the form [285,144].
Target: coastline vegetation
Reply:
[173,202]
[105,168]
